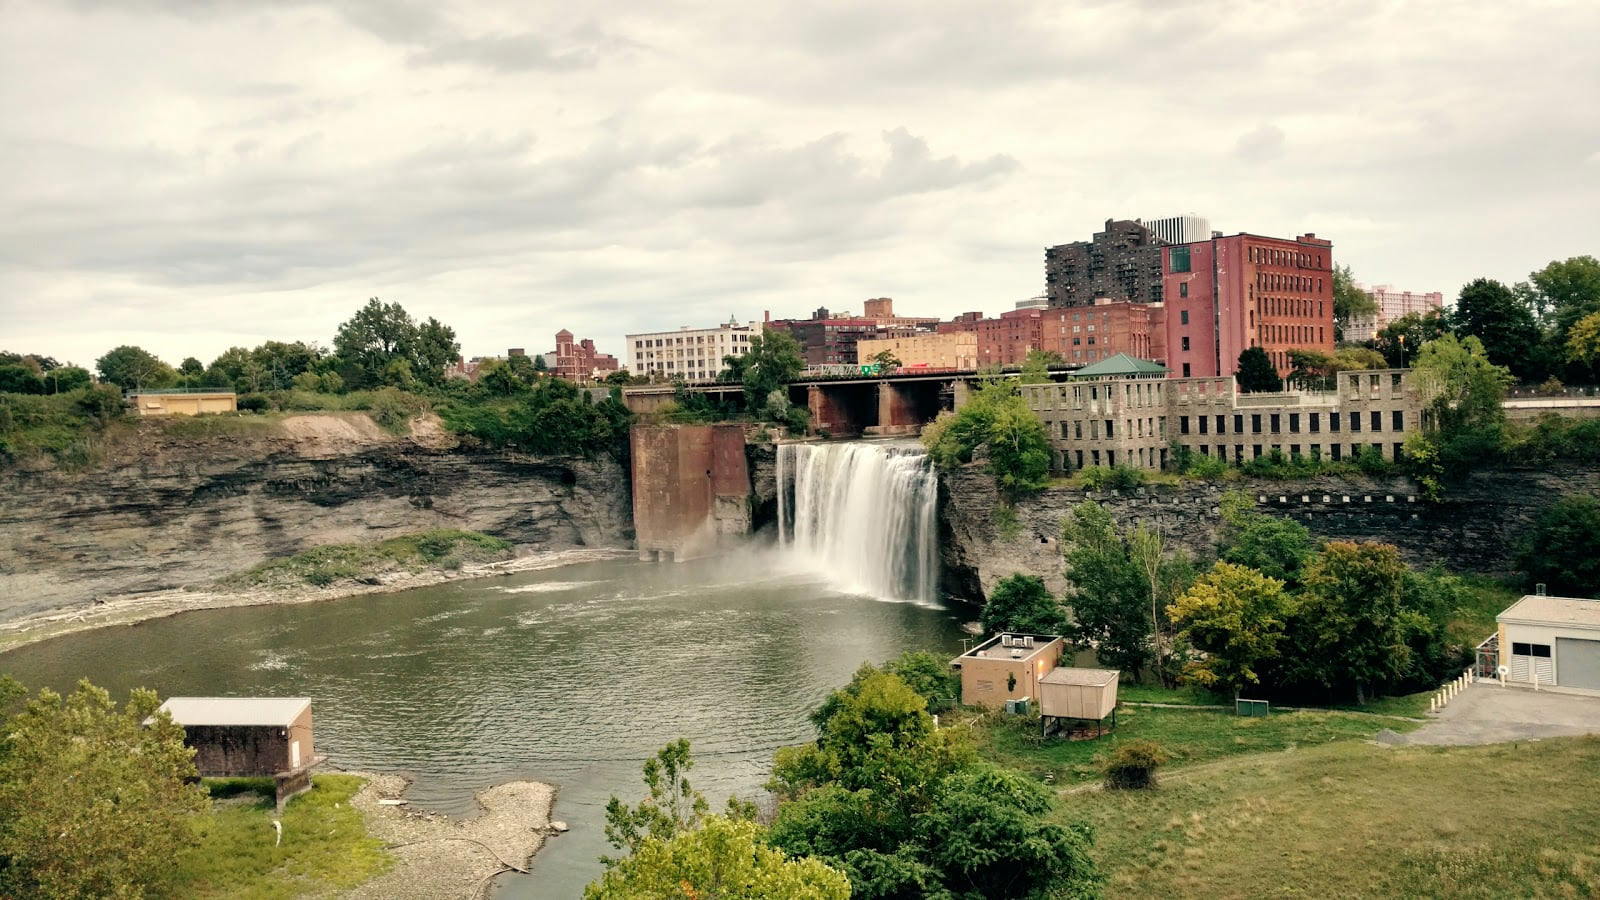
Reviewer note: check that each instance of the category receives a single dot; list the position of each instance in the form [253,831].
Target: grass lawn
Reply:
[321,566]
[1356,820]
[1189,735]
[325,842]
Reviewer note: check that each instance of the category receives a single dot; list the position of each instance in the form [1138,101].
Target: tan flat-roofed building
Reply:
[1007,667]
[183,403]
[952,350]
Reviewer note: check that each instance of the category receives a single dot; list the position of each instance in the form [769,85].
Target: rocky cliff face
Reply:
[1474,528]
[185,512]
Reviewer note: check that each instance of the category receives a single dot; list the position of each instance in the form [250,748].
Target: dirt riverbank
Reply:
[131,609]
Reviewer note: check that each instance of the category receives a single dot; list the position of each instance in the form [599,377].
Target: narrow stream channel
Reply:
[571,676]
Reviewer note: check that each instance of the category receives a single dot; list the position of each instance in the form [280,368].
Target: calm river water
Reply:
[571,676]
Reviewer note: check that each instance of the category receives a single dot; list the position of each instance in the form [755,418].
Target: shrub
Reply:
[254,403]
[1132,765]
[1206,467]
[393,409]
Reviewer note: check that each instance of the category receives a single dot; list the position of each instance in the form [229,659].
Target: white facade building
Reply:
[1180,229]
[1551,641]
[1392,304]
[689,353]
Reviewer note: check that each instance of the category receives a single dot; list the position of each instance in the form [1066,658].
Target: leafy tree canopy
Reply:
[1236,617]
[1401,339]
[1572,289]
[1349,300]
[1562,549]
[995,419]
[1256,373]
[93,803]
[1021,603]
[1583,341]
[723,858]
[134,368]
[1504,323]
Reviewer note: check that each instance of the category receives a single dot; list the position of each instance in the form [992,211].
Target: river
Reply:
[571,676]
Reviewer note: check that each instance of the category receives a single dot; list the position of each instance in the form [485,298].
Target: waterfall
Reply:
[861,514]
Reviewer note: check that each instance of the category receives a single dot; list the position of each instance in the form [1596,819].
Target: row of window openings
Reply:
[1397,422]
[1336,452]
[1268,281]
[1283,257]
[679,342]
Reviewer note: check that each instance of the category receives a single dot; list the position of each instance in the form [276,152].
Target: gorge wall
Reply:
[172,512]
[1475,527]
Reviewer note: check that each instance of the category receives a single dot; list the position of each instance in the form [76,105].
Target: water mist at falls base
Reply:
[862,514]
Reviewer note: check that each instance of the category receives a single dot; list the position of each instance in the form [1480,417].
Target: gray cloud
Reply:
[515,169]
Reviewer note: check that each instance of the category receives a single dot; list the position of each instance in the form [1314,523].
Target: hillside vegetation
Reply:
[322,566]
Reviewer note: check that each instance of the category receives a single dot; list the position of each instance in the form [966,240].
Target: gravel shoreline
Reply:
[132,609]
[437,856]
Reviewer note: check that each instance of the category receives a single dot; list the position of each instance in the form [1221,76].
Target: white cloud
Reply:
[516,169]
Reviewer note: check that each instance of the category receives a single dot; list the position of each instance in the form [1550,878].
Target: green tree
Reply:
[723,858]
[1310,368]
[239,368]
[1583,341]
[1571,288]
[191,367]
[773,360]
[93,802]
[1562,549]
[1350,628]
[1236,617]
[1401,339]
[368,342]
[1492,313]
[1276,547]
[435,349]
[1463,413]
[1350,359]
[67,378]
[1349,301]
[995,419]
[886,361]
[1021,603]
[1036,366]
[1256,373]
[927,673]
[20,380]
[1110,604]
[100,404]
[987,835]
[672,807]
[134,368]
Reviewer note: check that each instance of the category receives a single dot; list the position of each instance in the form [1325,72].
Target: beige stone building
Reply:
[1122,412]
[956,350]
[1007,667]
[183,403]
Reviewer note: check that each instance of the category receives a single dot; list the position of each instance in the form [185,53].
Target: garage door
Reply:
[1532,662]
[1578,663]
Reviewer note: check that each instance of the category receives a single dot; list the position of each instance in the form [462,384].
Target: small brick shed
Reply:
[246,736]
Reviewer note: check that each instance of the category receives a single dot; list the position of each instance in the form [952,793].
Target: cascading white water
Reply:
[862,514]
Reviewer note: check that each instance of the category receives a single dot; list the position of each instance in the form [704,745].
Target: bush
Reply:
[393,410]
[256,403]
[1132,765]
[1206,467]
[1120,477]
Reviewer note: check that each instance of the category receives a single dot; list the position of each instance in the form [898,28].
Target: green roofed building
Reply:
[1121,366]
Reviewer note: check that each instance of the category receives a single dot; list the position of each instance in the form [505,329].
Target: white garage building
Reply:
[1551,641]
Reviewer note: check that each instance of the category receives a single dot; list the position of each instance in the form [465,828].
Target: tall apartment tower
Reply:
[1123,262]
[1180,229]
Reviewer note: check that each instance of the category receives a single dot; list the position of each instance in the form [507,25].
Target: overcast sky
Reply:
[194,174]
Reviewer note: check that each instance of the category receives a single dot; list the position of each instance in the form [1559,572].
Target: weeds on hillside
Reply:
[323,566]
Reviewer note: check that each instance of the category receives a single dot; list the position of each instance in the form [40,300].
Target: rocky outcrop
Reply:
[1475,527]
[182,513]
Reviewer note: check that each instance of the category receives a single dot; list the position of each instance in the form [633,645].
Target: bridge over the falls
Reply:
[898,403]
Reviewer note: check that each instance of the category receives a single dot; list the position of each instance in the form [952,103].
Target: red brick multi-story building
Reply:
[1087,334]
[1227,294]
[578,360]
[1004,341]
